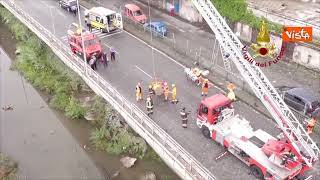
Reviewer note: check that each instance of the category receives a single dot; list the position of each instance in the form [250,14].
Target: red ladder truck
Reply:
[267,157]
[90,41]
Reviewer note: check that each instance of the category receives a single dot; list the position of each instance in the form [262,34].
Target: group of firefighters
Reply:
[166,92]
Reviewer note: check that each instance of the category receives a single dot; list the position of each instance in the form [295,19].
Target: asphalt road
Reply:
[135,64]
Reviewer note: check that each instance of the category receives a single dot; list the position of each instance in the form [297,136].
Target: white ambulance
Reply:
[104,19]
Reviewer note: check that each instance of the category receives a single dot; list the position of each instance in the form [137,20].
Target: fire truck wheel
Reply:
[255,170]
[205,132]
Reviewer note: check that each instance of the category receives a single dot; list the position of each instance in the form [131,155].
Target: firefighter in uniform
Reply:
[166,91]
[138,92]
[149,105]
[205,88]
[151,90]
[310,126]
[174,94]
[231,95]
[184,117]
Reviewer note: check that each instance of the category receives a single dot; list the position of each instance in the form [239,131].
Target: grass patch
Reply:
[8,168]
[74,109]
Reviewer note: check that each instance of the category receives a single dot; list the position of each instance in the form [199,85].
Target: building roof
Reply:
[216,100]
[101,11]
[132,7]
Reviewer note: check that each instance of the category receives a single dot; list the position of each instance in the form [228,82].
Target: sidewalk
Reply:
[33,136]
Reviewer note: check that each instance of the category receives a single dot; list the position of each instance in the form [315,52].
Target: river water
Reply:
[80,130]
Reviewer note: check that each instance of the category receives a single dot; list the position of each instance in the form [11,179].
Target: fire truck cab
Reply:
[91,43]
[267,157]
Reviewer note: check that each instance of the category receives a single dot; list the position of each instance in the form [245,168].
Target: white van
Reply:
[104,19]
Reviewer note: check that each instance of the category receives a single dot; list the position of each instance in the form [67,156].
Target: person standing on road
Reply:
[151,91]
[149,105]
[184,117]
[138,92]
[174,94]
[166,91]
[112,54]
[104,59]
[310,126]
[231,95]
[205,88]
[89,25]
[94,56]
[91,63]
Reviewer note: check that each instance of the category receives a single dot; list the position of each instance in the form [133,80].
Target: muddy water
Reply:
[108,164]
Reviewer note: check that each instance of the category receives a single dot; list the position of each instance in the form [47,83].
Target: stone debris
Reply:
[116,174]
[128,162]
[8,108]
[149,175]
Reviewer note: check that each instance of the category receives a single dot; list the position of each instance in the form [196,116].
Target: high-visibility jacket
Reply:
[205,87]
[149,104]
[312,122]
[138,89]
[174,93]
[231,96]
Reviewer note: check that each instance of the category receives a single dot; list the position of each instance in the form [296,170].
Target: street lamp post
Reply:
[82,41]
[153,63]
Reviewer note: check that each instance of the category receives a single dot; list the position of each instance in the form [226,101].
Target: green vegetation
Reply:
[45,71]
[8,168]
[237,11]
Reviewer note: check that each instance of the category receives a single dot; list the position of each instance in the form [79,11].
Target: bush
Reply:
[237,11]
[74,110]
[60,101]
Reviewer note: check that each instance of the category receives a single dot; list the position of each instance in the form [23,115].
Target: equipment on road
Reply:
[104,19]
[157,86]
[92,46]
[293,153]
[196,75]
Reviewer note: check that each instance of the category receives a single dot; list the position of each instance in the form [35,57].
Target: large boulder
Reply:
[128,162]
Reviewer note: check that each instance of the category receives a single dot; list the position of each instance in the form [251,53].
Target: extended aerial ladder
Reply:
[263,89]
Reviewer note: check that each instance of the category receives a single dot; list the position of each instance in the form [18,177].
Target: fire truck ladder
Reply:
[261,86]
[226,60]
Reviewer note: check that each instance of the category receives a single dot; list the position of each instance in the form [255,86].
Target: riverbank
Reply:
[68,94]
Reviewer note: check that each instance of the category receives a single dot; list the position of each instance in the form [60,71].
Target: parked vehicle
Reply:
[104,19]
[268,157]
[90,41]
[157,27]
[134,12]
[69,5]
[300,99]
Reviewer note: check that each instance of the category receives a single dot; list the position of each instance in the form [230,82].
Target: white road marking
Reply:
[64,38]
[159,51]
[144,72]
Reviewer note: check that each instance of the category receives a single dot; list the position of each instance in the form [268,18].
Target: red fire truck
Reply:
[91,43]
[267,157]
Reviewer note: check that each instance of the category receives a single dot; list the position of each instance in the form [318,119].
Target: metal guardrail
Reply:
[182,162]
